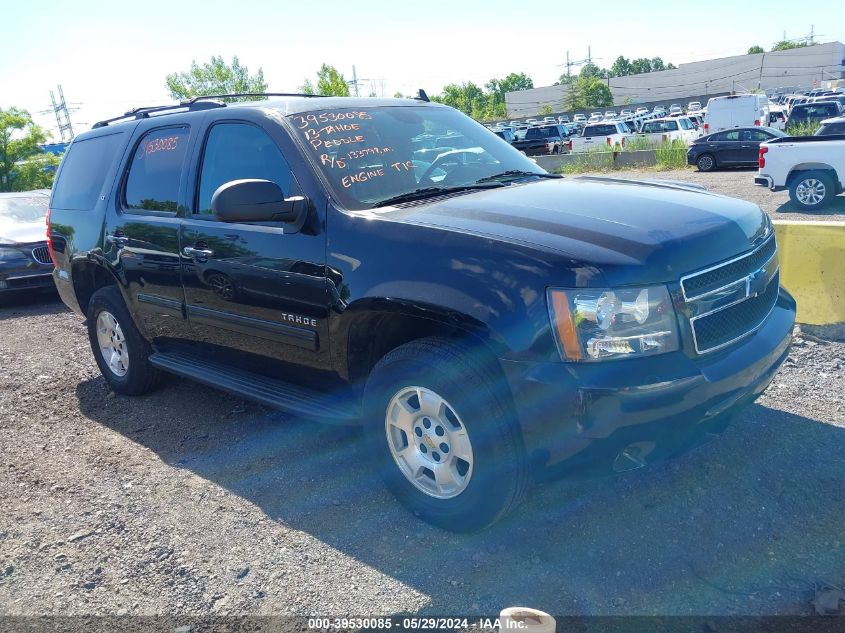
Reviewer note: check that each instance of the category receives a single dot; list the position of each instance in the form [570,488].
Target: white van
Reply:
[724,113]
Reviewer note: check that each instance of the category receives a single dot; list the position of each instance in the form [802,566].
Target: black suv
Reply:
[393,264]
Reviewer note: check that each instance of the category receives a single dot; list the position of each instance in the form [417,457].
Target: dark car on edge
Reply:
[739,147]
[544,139]
[488,324]
[25,264]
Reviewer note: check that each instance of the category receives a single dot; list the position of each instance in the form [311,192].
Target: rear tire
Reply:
[706,162]
[122,354]
[442,435]
[811,190]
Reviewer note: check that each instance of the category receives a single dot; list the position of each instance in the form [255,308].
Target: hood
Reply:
[19,232]
[633,232]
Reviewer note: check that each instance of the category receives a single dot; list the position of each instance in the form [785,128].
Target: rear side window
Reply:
[156,171]
[84,170]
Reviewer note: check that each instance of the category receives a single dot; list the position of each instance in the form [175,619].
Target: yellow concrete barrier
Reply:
[812,268]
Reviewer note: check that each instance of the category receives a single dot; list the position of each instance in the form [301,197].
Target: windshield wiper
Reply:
[515,173]
[432,192]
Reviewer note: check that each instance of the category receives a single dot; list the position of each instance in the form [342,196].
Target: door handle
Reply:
[189,251]
[118,240]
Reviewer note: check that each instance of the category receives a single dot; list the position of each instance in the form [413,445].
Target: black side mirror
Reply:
[254,200]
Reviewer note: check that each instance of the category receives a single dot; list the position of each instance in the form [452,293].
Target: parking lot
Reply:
[739,183]
[190,501]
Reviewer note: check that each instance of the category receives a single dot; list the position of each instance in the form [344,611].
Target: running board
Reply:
[268,391]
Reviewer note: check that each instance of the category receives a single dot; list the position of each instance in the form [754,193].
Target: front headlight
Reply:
[600,323]
[10,253]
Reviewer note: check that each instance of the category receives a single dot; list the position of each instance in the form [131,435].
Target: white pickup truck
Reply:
[608,134]
[669,129]
[811,167]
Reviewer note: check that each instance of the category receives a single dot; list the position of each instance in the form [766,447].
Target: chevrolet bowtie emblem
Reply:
[756,282]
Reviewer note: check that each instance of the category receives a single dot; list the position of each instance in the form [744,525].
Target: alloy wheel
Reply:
[429,442]
[112,343]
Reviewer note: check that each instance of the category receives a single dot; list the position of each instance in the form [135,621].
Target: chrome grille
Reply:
[731,300]
[711,279]
[41,254]
[722,327]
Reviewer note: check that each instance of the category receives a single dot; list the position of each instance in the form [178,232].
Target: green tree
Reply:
[546,110]
[513,82]
[23,165]
[755,49]
[330,83]
[589,92]
[641,65]
[493,106]
[213,78]
[465,97]
[786,45]
[620,67]
[657,64]
[591,70]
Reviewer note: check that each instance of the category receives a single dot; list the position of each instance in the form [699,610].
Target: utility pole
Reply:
[62,115]
[812,33]
[354,81]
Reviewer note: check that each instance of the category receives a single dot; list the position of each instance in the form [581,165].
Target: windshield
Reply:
[369,155]
[24,209]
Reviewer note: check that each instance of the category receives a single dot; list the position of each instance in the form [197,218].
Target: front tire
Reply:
[443,436]
[122,354]
[811,190]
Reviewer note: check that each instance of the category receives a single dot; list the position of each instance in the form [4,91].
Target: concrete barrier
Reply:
[637,158]
[812,268]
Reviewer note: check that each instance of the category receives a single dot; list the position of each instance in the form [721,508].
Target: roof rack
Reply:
[144,112]
[201,102]
[247,94]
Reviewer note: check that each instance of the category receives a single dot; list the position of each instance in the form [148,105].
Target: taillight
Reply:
[706,126]
[608,141]
[569,145]
[623,141]
[762,161]
[50,238]
[756,121]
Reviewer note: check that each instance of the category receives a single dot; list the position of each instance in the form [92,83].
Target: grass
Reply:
[669,156]
[594,159]
[639,143]
[802,129]
[672,155]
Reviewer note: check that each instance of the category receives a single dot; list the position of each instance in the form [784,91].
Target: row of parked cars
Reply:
[688,125]
[550,136]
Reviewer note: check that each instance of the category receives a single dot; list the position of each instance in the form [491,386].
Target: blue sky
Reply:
[111,56]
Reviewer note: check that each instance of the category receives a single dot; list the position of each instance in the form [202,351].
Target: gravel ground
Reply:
[192,502]
[739,183]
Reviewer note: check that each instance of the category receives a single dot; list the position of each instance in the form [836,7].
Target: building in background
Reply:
[808,67]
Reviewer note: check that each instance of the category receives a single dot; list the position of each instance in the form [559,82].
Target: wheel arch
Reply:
[371,329]
[88,277]
[800,168]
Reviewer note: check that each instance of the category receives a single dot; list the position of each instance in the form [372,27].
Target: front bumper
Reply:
[23,276]
[575,414]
